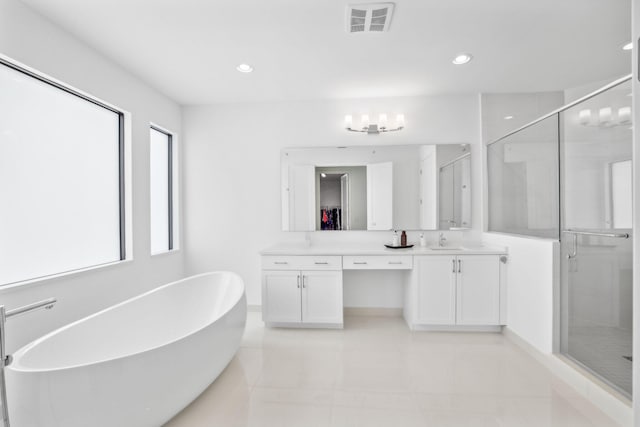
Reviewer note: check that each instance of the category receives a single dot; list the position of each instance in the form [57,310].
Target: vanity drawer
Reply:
[302,262]
[378,262]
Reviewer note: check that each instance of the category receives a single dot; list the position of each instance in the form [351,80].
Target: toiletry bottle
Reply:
[423,241]
[396,239]
[403,238]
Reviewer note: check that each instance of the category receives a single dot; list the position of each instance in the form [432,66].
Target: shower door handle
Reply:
[574,247]
[598,234]
[574,233]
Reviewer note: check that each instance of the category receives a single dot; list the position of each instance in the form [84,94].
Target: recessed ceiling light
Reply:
[462,58]
[244,68]
[324,175]
[628,46]
[508,117]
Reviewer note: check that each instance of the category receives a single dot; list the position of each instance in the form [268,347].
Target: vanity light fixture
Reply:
[628,46]
[374,128]
[244,68]
[605,117]
[462,58]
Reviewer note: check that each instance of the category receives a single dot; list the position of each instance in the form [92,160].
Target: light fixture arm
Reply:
[374,129]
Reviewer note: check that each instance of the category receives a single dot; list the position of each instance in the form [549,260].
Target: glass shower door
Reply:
[596,287]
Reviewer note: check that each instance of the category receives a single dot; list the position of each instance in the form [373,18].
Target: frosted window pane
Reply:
[159,192]
[59,180]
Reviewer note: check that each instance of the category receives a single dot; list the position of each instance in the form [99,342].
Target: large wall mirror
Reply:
[405,187]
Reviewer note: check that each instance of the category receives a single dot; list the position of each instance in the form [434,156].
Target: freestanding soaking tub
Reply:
[135,364]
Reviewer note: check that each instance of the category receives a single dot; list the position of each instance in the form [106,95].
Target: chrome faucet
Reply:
[5,360]
[441,240]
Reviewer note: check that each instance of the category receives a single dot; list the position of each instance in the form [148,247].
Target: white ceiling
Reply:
[189,49]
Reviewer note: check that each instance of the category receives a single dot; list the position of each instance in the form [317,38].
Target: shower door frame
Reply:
[560,316]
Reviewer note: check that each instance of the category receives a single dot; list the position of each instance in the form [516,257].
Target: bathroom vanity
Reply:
[444,288]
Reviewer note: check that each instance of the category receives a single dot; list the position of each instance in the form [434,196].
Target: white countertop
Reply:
[375,249]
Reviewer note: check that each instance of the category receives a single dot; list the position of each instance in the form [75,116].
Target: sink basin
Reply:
[446,248]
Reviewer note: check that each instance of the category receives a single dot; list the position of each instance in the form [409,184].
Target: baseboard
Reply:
[456,328]
[373,311]
[607,399]
[304,325]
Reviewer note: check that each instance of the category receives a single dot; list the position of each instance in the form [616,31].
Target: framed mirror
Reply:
[408,187]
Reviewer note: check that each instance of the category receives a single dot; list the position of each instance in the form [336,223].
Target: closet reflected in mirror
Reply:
[410,187]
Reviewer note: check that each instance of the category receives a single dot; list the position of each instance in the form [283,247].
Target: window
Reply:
[161,179]
[61,178]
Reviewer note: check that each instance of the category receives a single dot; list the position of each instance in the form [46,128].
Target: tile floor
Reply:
[376,372]
[603,348]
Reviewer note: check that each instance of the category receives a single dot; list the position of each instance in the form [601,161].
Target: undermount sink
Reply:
[445,248]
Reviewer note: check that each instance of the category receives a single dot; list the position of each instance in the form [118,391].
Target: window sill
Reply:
[53,277]
[165,253]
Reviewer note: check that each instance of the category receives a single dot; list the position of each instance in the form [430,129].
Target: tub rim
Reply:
[16,366]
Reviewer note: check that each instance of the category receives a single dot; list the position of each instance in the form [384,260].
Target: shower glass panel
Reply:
[596,289]
[523,181]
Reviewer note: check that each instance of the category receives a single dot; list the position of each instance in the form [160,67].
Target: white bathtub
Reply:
[135,364]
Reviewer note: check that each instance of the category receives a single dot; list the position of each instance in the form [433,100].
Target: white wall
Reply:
[232,174]
[635,16]
[28,38]
[531,278]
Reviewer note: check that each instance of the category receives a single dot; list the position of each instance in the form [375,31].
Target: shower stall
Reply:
[568,176]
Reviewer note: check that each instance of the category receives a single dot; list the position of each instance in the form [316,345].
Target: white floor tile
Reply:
[376,372]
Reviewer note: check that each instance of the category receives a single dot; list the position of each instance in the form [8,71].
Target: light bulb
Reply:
[584,116]
[605,115]
[348,121]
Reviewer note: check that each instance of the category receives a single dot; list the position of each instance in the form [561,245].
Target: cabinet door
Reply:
[322,296]
[436,289]
[478,290]
[281,296]
[380,196]
[302,198]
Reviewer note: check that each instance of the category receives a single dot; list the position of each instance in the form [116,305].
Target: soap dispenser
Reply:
[403,238]
[423,241]
[396,239]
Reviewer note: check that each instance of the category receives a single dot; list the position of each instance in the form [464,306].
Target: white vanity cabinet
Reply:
[454,290]
[302,291]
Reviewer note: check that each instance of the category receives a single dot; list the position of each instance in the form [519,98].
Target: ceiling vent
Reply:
[369,17]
